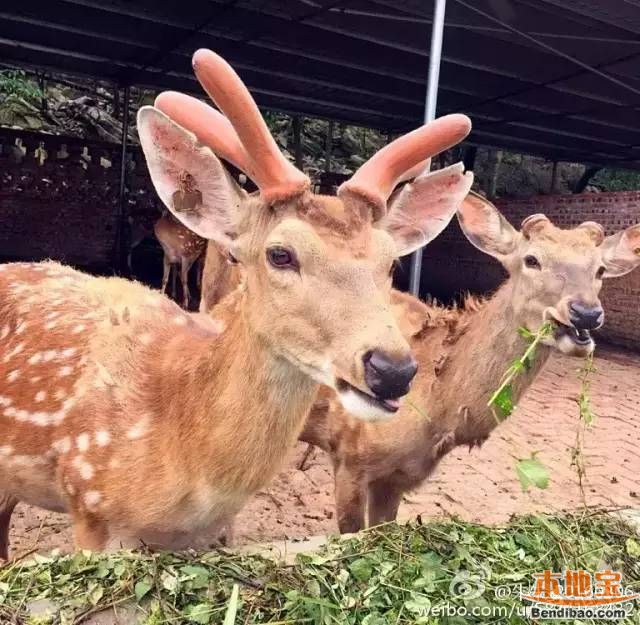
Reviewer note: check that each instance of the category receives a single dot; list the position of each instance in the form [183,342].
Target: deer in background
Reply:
[180,246]
[137,418]
[463,353]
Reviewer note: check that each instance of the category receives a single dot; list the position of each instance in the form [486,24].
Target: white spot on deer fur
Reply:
[50,325]
[84,468]
[82,441]
[62,445]
[68,352]
[139,429]
[145,338]
[35,358]
[5,401]
[14,352]
[5,332]
[60,394]
[6,450]
[13,375]
[114,463]
[40,396]
[78,328]
[71,489]
[180,320]
[102,438]
[49,355]
[52,315]
[35,378]
[65,371]
[22,326]
[92,498]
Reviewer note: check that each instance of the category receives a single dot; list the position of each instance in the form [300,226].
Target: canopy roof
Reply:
[506,63]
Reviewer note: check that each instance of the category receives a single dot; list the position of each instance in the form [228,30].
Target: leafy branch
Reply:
[502,398]
[587,418]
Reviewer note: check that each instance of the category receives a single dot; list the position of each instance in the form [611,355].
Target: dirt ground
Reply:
[480,485]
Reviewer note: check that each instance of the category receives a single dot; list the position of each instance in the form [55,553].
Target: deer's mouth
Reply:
[581,338]
[364,405]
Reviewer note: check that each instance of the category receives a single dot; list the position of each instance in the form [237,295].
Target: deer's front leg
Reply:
[350,491]
[185,266]
[7,504]
[166,270]
[88,532]
[384,500]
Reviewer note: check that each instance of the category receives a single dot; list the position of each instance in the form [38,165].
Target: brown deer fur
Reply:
[463,354]
[147,423]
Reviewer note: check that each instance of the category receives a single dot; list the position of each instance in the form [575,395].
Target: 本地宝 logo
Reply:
[579,594]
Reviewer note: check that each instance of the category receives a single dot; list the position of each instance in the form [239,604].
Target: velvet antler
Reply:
[210,126]
[376,179]
[275,176]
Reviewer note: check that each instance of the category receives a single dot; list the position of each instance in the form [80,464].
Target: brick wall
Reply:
[452,265]
[59,198]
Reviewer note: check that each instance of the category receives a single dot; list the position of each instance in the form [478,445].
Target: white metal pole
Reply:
[431,100]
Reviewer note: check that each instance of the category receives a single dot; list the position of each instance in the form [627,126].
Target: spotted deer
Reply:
[149,424]
[180,246]
[554,274]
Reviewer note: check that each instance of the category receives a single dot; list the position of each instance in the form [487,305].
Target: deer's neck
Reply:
[244,407]
[477,362]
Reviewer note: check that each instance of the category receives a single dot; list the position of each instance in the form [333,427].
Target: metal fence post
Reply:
[431,100]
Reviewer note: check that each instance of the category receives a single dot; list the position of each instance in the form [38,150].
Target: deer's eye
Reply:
[231,259]
[282,258]
[600,272]
[532,262]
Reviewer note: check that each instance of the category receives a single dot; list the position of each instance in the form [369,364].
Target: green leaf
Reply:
[531,472]
[526,334]
[504,401]
[142,588]
[361,569]
[169,581]
[232,606]
[418,604]
[95,594]
[633,547]
[200,613]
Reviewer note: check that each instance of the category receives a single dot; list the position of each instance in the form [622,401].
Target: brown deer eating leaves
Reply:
[147,423]
[463,353]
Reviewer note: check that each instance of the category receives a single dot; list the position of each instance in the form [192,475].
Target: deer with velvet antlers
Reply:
[111,390]
[554,275]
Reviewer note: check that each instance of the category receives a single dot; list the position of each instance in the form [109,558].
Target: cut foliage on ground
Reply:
[390,574]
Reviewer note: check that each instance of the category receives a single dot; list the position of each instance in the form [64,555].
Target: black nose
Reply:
[388,377]
[585,317]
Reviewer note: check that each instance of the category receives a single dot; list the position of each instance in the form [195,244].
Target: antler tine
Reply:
[376,179]
[210,126]
[276,177]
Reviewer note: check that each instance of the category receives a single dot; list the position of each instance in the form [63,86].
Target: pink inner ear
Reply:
[423,208]
[633,236]
[475,211]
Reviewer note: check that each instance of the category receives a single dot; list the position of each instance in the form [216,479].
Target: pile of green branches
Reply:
[390,574]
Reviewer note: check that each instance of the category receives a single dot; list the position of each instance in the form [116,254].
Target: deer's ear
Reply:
[190,180]
[486,228]
[621,252]
[424,208]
